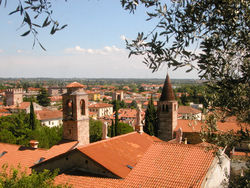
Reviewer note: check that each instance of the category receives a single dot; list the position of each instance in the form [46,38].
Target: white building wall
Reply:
[218,174]
[51,123]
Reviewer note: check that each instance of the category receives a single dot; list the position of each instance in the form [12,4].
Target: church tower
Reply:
[75,114]
[167,112]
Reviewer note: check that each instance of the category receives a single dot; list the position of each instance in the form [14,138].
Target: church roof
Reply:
[167,91]
[75,85]
[170,165]
[116,153]
[162,165]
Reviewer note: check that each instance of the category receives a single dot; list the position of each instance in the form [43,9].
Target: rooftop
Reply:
[75,85]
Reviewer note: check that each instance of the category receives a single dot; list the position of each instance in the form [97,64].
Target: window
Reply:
[166,108]
[82,105]
[70,108]
[163,108]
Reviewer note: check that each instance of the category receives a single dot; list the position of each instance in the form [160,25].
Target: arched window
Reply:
[166,108]
[70,108]
[82,104]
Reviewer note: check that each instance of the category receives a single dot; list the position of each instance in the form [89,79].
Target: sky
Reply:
[91,46]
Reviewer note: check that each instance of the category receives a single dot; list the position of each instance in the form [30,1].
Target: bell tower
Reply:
[167,112]
[75,114]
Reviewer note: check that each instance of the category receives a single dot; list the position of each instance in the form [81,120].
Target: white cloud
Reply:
[104,51]
[123,37]
[19,51]
[1,51]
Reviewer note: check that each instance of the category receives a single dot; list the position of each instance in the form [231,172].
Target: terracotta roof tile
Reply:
[195,126]
[26,157]
[187,110]
[118,152]
[100,105]
[85,181]
[75,85]
[170,165]
[48,114]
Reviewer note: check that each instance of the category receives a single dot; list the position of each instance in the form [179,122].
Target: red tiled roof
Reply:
[48,114]
[2,110]
[55,98]
[75,84]
[167,91]
[100,105]
[5,114]
[85,181]
[195,126]
[118,152]
[187,110]
[27,157]
[170,165]
[16,155]
[22,106]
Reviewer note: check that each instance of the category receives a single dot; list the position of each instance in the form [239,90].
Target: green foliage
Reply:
[95,130]
[43,98]
[112,129]
[133,104]
[151,127]
[46,136]
[207,35]
[30,10]
[117,104]
[241,181]
[125,128]
[16,178]
[16,129]
[117,125]
[32,117]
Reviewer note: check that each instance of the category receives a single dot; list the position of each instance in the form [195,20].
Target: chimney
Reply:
[186,141]
[34,144]
[179,136]
[105,131]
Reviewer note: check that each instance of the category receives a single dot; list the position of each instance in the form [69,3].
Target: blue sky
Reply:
[90,47]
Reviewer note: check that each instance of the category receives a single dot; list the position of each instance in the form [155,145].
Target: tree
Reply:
[112,131]
[95,130]
[43,98]
[133,104]
[125,128]
[17,178]
[151,119]
[16,129]
[117,127]
[32,117]
[207,35]
[30,10]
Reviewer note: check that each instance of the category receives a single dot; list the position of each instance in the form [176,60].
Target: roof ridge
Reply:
[112,138]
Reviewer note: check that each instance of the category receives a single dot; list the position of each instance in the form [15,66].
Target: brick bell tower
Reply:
[167,112]
[76,114]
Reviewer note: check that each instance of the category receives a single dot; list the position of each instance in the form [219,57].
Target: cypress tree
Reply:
[116,123]
[43,97]
[151,127]
[112,129]
[117,127]
[32,117]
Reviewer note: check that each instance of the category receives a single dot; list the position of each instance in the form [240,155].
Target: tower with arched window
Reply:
[75,114]
[167,112]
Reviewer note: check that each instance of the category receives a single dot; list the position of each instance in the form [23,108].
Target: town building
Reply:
[49,118]
[14,96]
[135,159]
[101,109]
